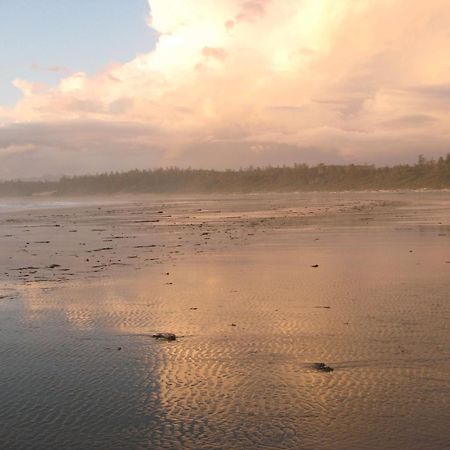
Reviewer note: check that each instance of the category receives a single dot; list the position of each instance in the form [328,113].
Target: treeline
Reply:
[430,174]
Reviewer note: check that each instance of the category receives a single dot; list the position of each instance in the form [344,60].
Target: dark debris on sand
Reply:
[165,336]
[322,367]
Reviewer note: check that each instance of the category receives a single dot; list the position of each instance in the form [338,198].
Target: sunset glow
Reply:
[302,81]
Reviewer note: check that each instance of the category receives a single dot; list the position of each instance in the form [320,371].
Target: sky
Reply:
[92,86]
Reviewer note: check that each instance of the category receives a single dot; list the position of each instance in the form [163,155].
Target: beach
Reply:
[257,289]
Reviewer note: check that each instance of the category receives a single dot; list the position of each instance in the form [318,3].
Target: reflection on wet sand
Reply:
[81,369]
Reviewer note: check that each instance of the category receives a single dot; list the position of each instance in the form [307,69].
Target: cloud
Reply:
[409,121]
[252,10]
[353,80]
[217,53]
[34,149]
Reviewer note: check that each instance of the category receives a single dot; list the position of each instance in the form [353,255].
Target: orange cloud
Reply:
[252,10]
[215,53]
[353,78]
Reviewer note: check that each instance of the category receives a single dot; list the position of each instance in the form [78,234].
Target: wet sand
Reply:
[257,289]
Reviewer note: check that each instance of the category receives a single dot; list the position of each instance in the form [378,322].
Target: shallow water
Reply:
[376,309]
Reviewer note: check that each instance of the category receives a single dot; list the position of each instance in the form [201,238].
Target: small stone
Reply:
[322,367]
[165,336]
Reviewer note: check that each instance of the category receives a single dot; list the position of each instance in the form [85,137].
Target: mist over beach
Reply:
[224,224]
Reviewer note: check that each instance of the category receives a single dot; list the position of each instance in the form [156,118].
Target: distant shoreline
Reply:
[54,200]
[424,175]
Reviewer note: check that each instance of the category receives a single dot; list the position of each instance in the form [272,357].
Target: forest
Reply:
[424,174]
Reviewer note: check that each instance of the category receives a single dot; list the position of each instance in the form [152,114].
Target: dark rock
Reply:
[165,336]
[322,367]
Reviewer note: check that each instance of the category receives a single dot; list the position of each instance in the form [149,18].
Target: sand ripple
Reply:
[79,368]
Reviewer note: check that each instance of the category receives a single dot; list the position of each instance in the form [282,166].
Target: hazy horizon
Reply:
[58,176]
[112,85]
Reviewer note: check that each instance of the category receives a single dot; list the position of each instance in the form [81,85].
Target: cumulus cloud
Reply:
[303,80]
